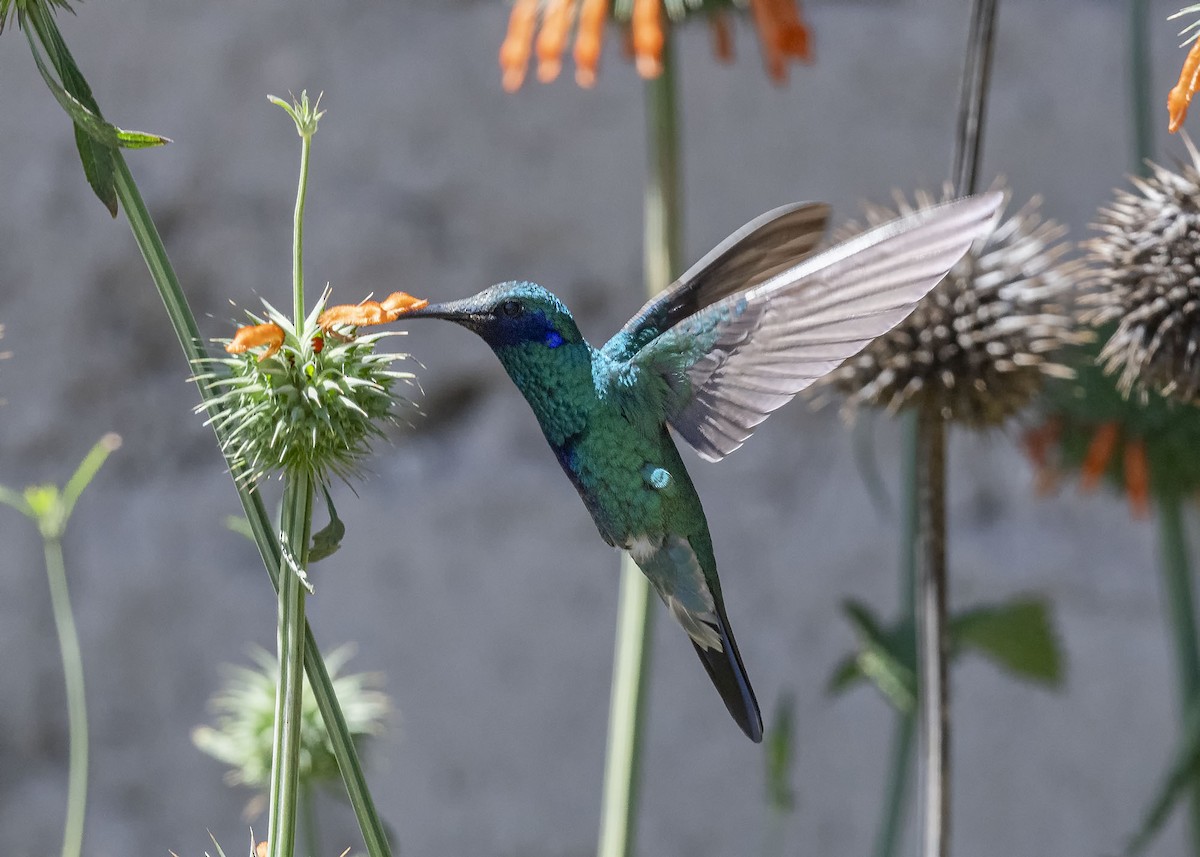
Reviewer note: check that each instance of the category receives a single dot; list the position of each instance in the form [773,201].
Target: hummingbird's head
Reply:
[509,315]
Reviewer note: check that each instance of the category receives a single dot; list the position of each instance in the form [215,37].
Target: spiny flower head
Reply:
[784,36]
[1146,265]
[245,712]
[978,346]
[301,401]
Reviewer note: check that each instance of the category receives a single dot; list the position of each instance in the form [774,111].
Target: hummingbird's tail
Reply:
[694,600]
[724,667]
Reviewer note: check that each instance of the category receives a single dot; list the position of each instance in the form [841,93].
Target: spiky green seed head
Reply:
[980,345]
[244,710]
[1146,264]
[314,406]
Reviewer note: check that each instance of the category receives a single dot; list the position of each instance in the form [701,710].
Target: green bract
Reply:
[314,406]
[245,710]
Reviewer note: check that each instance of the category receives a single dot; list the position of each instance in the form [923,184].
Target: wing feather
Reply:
[750,352]
[758,251]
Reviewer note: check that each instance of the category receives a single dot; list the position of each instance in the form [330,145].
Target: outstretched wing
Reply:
[758,251]
[729,365]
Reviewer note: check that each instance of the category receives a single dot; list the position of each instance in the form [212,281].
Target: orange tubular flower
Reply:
[1039,445]
[254,335]
[514,53]
[648,37]
[722,37]
[1137,477]
[369,312]
[588,39]
[1099,455]
[552,40]
[1181,96]
[546,25]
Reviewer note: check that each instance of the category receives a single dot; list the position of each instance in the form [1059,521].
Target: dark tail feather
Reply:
[729,676]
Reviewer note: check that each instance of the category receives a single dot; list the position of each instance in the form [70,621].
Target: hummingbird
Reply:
[754,322]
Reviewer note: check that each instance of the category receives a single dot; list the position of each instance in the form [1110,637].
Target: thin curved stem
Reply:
[895,802]
[298,308]
[631,665]
[1181,619]
[72,660]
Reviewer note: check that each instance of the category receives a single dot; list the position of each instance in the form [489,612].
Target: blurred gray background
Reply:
[471,575]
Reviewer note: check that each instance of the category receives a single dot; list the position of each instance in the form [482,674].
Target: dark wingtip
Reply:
[729,677]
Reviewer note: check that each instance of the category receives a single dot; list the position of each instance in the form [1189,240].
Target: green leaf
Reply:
[1180,776]
[90,123]
[239,524]
[886,657]
[94,138]
[1016,636]
[780,751]
[326,541]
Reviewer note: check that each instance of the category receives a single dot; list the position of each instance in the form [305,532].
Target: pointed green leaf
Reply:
[1180,776]
[326,541]
[1017,636]
[886,657]
[17,501]
[87,120]
[93,136]
[844,676]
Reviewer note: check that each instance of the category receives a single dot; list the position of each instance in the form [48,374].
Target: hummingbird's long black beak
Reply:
[459,312]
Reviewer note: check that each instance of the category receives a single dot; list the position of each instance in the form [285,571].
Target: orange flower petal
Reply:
[352,315]
[648,37]
[1099,454]
[254,335]
[1137,477]
[768,37]
[588,40]
[514,52]
[398,303]
[1181,96]
[722,33]
[1039,443]
[552,40]
[794,37]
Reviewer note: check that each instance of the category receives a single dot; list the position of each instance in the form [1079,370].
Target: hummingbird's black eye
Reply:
[511,308]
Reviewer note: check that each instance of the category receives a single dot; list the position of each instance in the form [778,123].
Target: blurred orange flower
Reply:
[545,26]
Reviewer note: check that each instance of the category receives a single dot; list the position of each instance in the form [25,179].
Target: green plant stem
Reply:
[933,701]
[895,802]
[933,645]
[184,323]
[285,759]
[626,714]
[1139,86]
[298,308]
[1181,618]
[72,660]
[631,665]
